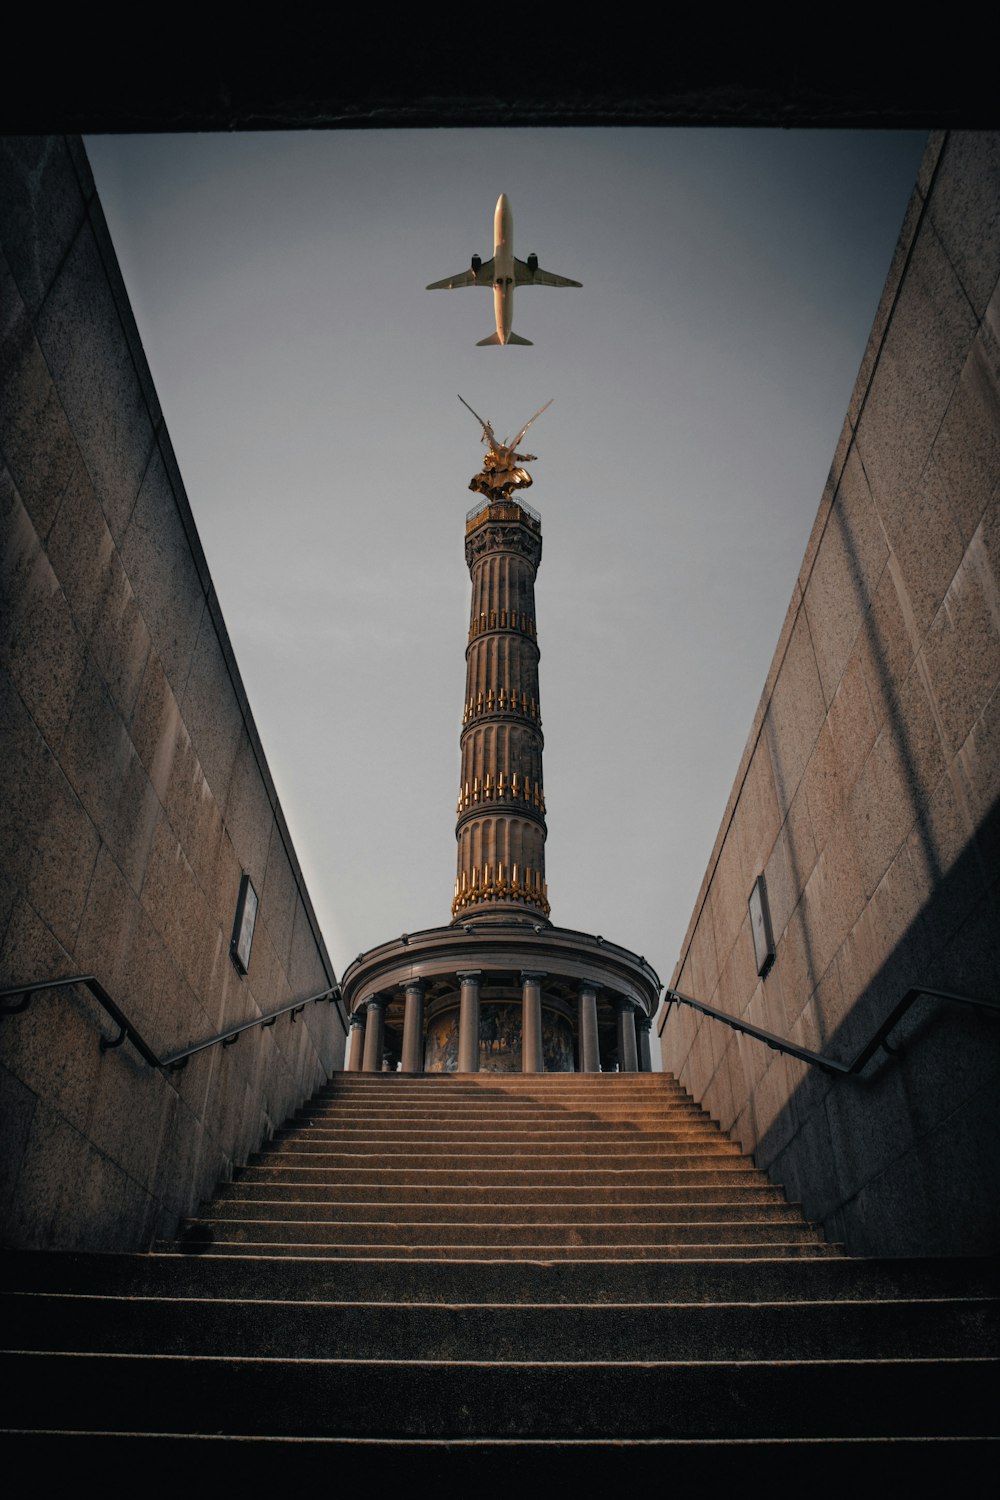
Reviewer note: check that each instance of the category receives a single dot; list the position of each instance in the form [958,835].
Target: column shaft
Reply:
[532,1059]
[628,1061]
[468,1023]
[645,1055]
[590,1055]
[413,1027]
[374,1030]
[355,1043]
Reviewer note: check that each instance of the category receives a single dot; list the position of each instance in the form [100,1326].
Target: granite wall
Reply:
[135,789]
[868,791]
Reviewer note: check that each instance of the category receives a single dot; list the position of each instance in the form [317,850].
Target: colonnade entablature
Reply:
[500,994]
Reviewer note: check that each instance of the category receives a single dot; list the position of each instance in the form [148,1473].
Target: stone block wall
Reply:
[868,792]
[135,789]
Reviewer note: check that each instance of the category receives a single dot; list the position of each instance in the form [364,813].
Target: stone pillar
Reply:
[590,1055]
[413,1026]
[374,1033]
[468,1023]
[532,1059]
[645,1024]
[628,1062]
[355,1043]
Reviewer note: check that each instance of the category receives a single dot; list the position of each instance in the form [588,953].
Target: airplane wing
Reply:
[482,277]
[524,275]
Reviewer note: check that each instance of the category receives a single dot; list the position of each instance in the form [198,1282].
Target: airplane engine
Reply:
[532,262]
[477,262]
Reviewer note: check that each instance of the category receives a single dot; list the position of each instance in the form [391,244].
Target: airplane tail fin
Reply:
[515,338]
[494,338]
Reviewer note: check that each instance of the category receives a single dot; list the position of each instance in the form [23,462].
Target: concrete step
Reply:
[731,1169]
[595,1134]
[458,1157]
[489,1213]
[551,1102]
[656,1122]
[546,1085]
[409,1233]
[463,1125]
[535,1331]
[500,1109]
[489,1252]
[738,1279]
[265,1461]
[494,1117]
[465,1398]
[478,1103]
[245,1186]
[547,1092]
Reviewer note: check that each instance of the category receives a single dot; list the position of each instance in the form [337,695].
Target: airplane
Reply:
[503,272]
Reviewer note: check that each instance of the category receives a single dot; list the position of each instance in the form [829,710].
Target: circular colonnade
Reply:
[498,996]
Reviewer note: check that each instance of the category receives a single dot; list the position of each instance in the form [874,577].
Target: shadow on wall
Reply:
[905,1159]
[911,804]
[867,794]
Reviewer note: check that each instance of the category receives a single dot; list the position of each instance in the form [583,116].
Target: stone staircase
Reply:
[478,1277]
[494,1167]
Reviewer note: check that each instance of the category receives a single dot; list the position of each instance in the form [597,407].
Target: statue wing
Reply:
[487,428]
[527,424]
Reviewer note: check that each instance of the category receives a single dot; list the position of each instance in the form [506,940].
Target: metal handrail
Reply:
[828,1064]
[127,1031]
[505,509]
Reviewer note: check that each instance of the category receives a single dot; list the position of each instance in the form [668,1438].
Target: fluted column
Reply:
[413,1026]
[627,1060]
[355,1043]
[590,1054]
[532,1058]
[468,1022]
[374,1034]
[644,1025]
[501,829]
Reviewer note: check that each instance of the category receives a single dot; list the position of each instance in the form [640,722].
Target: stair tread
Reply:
[543,1267]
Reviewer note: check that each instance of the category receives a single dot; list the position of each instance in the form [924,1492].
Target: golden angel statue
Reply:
[501,471]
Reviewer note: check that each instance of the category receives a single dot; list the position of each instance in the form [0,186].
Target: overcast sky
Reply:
[700,380]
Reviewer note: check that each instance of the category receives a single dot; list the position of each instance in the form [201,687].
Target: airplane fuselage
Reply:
[503,273]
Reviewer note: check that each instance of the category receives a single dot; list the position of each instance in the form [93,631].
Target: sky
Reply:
[699,379]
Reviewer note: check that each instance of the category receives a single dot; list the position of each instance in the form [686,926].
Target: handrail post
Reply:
[108,1045]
